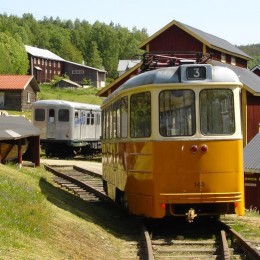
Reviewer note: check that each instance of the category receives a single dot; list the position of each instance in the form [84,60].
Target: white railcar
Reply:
[67,127]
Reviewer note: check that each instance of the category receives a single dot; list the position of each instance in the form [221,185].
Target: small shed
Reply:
[66,83]
[19,140]
[252,173]
[17,92]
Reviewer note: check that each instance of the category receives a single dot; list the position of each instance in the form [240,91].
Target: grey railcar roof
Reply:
[64,103]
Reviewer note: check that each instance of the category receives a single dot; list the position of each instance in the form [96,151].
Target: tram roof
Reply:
[64,103]
[171,75]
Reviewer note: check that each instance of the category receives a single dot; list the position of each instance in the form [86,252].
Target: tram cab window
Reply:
[177,113]
[39,114]
[140,115]
[63,115]
[217,112]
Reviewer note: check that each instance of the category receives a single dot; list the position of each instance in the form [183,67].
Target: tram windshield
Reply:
[177,113]
[217,112]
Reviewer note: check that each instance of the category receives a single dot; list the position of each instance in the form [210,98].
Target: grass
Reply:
[41,221]
[86,95]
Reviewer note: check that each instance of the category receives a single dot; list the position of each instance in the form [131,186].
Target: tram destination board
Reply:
[196,73]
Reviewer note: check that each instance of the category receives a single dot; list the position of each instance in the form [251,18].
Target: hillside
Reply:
[41,221]
[254,51]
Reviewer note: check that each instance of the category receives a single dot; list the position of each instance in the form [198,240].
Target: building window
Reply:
[34,60]
[77,71]
[39,61]
[223,57]
[233,60]
[58,64]
[54,64]
[29,96]
[49,63]
[42,61]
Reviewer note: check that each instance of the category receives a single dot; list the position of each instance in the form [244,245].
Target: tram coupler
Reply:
[191,215]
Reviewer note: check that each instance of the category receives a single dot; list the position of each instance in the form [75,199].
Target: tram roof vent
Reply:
[183,62]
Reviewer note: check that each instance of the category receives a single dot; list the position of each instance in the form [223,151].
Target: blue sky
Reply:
[236,21]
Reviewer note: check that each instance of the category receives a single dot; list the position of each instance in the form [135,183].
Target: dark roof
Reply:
[246,76]
[252,155]
[16,127]
[210,40]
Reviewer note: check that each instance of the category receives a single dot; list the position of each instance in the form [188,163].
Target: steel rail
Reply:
[252,252]
[148,244]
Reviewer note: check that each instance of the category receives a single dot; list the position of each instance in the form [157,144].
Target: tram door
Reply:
[51,124]
[77,119]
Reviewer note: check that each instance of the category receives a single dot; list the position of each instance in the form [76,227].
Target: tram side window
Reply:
[124,117]
[177,113]
[63,115]
[39,114]
[140,115]
[217,112]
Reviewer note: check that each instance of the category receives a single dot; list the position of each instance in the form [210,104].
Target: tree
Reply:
[94,59]
[14,53]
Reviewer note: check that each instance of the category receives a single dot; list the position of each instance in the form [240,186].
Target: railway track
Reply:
[83,183]
[163,239]
[205,240]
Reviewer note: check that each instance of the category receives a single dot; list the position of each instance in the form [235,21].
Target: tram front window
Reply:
[177,113]
[217,112]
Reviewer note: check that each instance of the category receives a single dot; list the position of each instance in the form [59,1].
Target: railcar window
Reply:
[51,115]
[140,115]
[92,119]
[177,113]
[217,112]
[39,114]
[63,115]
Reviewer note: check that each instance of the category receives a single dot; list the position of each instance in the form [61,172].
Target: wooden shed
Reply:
[17,92]
[19,140]
[180,37]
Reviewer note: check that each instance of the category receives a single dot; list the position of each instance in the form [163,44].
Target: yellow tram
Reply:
[172,143]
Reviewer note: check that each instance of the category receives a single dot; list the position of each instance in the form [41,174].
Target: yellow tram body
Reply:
[168,173]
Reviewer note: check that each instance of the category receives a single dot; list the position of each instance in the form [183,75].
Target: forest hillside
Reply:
[98,45]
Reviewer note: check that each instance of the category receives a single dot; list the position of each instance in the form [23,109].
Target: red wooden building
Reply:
[177,36]
[44,65]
